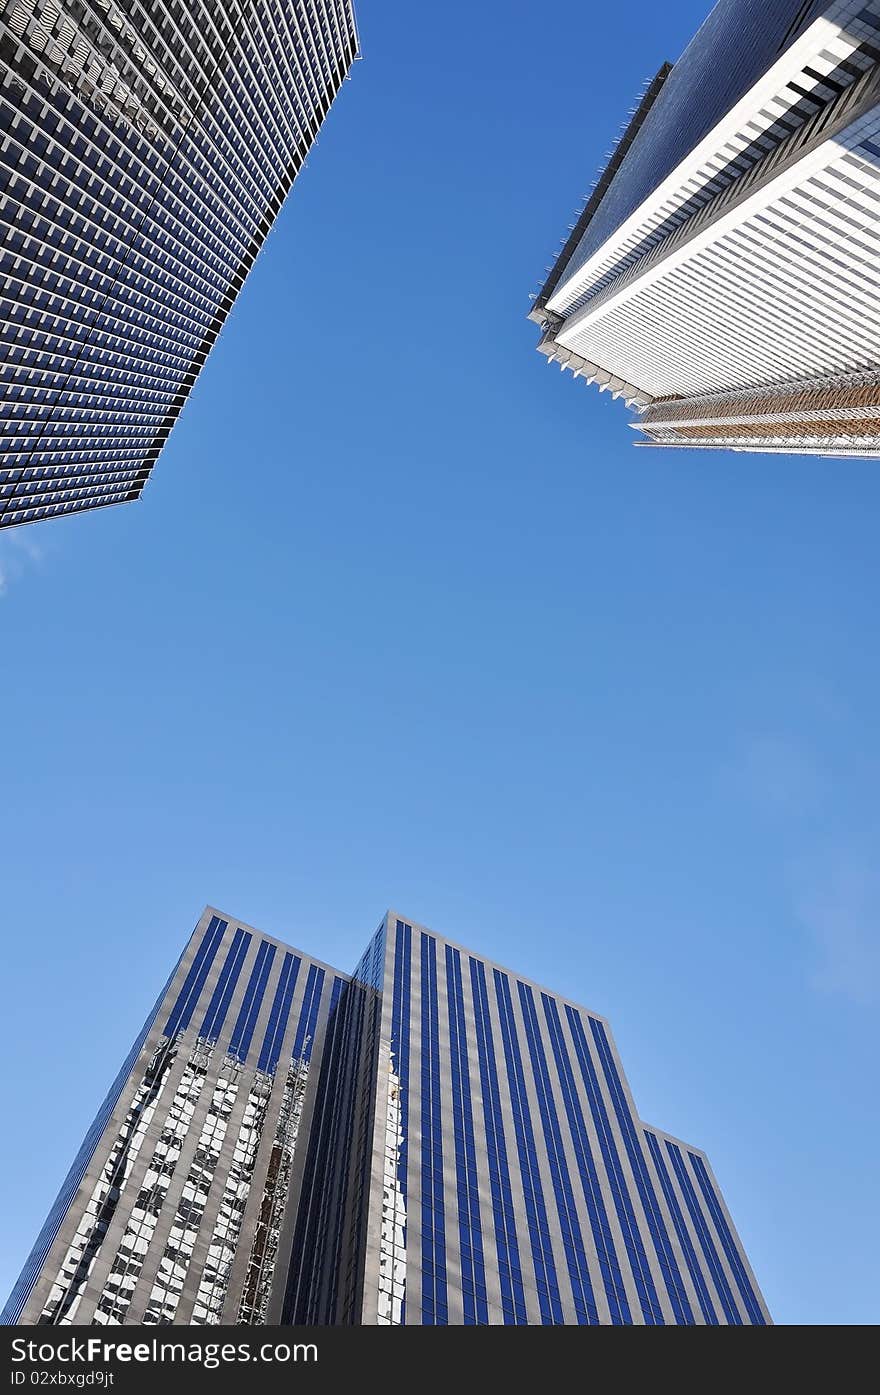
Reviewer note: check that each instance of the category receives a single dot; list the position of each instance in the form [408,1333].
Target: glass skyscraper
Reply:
[723,276]
[146,147]
[432,1140]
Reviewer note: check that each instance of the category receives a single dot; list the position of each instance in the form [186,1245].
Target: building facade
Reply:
[723,277]
[146,147]
[429,1141]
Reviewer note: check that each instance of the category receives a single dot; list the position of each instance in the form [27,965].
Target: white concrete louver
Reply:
[778,282]
[833,38]
[790,275]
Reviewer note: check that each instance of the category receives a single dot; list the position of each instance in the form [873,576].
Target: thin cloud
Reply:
[833,885]
[778,776]
[840,908]
[17,553]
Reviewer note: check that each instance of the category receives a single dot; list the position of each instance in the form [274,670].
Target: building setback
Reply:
[432,1140]
[146,148]
[723,277]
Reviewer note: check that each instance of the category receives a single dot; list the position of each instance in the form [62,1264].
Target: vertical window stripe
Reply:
[635,1248]
[536,1210]
[681,1307]
[188,997]
[400,1025]
[470,1230]
[336,990]
[214,1018]
[513,1303]
[308,1016]
[251,1003]
[603,1240]
[716,1269]
[707,1307]
[572,1238]
[435,1309]
[277,1024]
[753,1307]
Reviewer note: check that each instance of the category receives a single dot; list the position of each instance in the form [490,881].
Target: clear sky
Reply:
[403,619]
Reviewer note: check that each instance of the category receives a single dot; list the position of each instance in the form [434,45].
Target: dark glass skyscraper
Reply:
[146,147]
[431,1140]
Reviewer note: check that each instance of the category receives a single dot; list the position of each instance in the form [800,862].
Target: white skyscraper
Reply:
[724,275]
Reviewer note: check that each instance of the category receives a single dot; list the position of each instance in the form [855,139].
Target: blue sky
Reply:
[403,619]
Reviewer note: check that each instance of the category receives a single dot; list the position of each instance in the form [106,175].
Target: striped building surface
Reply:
[432,1140]
[146,148]
[724,275]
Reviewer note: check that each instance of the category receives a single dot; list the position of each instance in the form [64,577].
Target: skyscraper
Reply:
[146,147]
[723,277]
[430,1141]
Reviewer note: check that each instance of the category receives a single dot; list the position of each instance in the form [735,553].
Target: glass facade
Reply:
[146,147]
[429,1141]
[176,1205]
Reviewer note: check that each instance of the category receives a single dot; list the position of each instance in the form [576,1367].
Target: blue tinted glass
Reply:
[308,1015]
[253,998]
[707,1308]
[214,1018]
[716,1268]
[749,1297]
[625,1214]
[434,1290]
[473,1273]
[277,1024]
[510,1275]
[533,1191]
[618,1304]
[572,1239]
[188,997]
[400,1025]
[632,1143]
